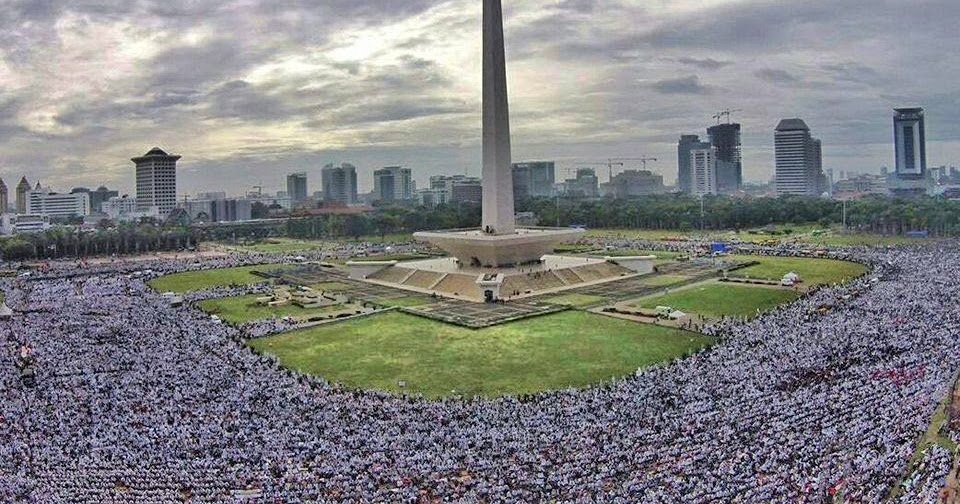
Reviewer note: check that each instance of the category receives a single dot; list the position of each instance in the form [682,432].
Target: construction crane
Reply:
[609,164]
[259,189]
[725,113]
[619,161]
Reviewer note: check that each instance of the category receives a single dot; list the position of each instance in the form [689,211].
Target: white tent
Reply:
[5,312]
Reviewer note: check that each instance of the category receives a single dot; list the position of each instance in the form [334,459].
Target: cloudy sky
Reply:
[248,90]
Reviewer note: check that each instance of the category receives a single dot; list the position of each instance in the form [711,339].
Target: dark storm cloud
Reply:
[777,76]
[681,85]
[704,63]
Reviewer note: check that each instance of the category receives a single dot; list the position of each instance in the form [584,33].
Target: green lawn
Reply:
[569,349]
[812,271]
[240,310]
[292,246]
[192,281]
[575,300]
[719,299]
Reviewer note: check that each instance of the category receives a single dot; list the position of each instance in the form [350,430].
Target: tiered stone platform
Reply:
[447,277]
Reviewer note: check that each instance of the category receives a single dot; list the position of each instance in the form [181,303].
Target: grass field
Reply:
[719,299]
[569,349]
[812,271]
[801,234]
[292,246]
[574,300]
[240,310]
[192,281]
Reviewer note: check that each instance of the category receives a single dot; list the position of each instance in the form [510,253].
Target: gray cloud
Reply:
[680,85]
[705,63]
[273,84]
[777,76]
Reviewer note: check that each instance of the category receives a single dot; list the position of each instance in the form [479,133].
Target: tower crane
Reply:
[725,113]
[644,160]
[609,164]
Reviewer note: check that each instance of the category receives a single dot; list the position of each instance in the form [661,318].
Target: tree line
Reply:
[61,241]
[878,215]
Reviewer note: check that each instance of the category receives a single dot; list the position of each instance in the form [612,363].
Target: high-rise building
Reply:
[799,168]
[393,183]
[97,197]
[703,166]
[339,184]
[297,187]
[911,148]
[22,189]
[459,188]
[533,179]
[217,209]
[586,185]
[684,180]
[157,181]
[725,138]
[4,197]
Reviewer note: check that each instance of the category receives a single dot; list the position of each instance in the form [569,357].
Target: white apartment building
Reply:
[55,205]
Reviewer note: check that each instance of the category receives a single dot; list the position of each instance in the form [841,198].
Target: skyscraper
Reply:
[703,166]
[911,152]
[684,180]
[4,197]
[156,181]
[22,189]
[297,187]
[393,183]
[533,179]
[726,139]
[799,166]
[339,184]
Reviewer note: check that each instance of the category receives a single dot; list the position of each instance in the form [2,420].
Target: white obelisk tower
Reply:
[498,216]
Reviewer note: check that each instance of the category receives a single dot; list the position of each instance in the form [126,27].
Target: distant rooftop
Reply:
[792,125]
[155,152]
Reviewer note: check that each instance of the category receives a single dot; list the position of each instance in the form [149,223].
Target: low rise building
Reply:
[42,201]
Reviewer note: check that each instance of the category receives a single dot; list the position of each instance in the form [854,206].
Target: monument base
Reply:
[474,248]
[446,277]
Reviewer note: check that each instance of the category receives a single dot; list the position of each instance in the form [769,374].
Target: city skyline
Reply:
[390,85]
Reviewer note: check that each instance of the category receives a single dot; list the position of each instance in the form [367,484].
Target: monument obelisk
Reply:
[498,242]
[498,215]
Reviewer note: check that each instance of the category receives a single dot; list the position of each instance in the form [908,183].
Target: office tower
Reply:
[393,183]
[703,166]
[798,164]
[459,188]
[297,187]
[339,184]
[22,189]
[586,185]
[910,139]
[533,179]
[684,174]
[726,139]
[816,167]
[4,197]
[156,181]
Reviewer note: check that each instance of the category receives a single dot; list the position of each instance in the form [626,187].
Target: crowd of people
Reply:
[138,401]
